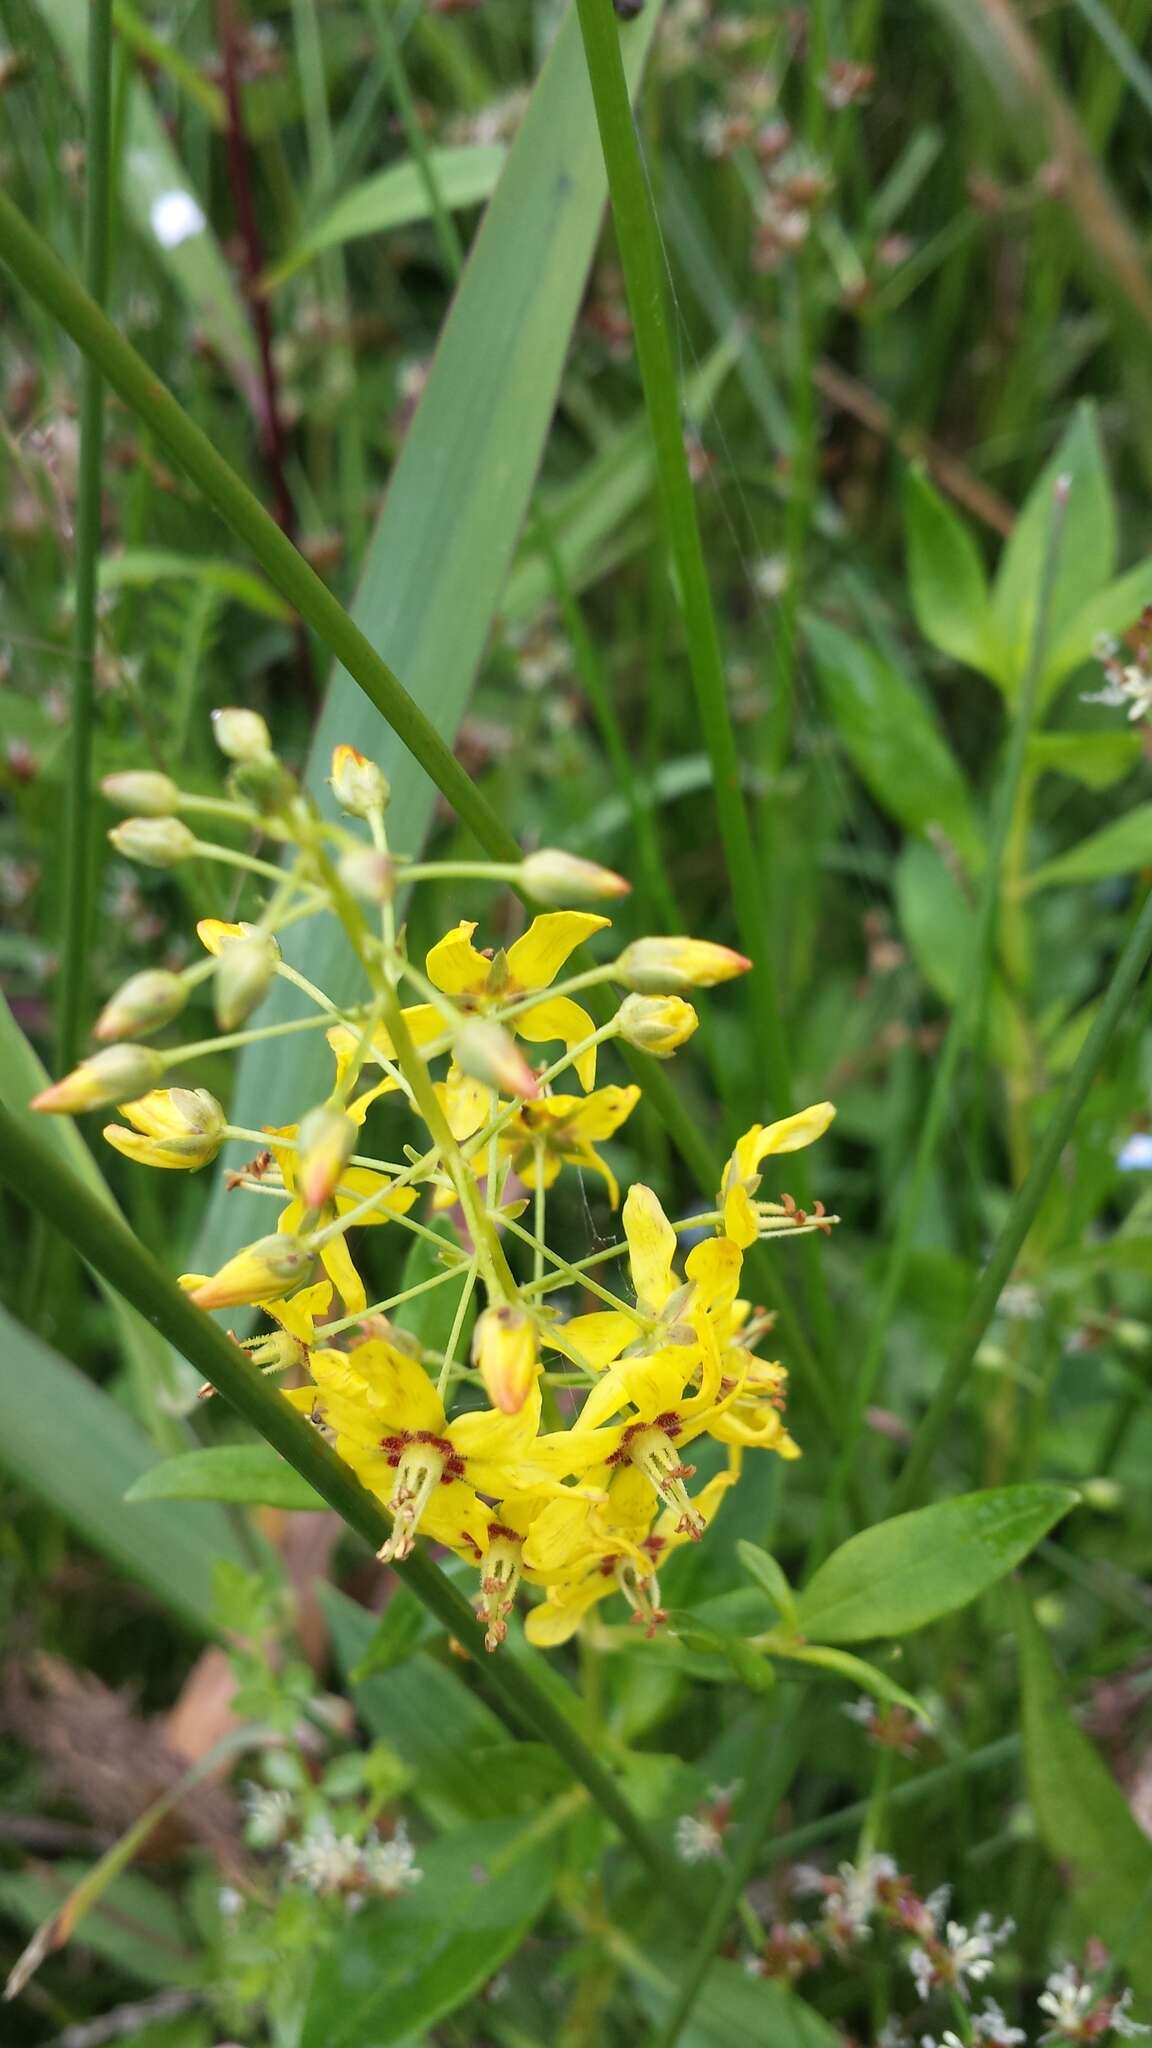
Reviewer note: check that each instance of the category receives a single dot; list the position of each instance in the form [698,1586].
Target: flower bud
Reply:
[242,735]
[658,1025]
[358,785]
[326,1142]
[263,1271]
[114,1075]
[563,878]
[656,967]
[214,934]
[176,1128]
[154,842]
[148,793]
[243,977]
[367,875]
[143,1003]
[506,1350]
[487,1052]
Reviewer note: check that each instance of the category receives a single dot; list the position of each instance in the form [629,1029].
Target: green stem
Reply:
[772,1783]
[37,1177]
[1027,1201]
[965,1021]
[78,809]
[35,266]
[641,256]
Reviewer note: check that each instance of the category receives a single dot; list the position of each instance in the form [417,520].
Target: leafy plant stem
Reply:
[638,237]
[966,1017]
[447,236]
[1027,1201]
[31,1170]
[779,1734]
[77,879]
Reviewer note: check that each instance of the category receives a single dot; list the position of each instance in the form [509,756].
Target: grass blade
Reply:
[395,198]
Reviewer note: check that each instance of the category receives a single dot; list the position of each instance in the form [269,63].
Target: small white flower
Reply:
[698,1841]
[323,1860]
[862,1710]
[770,576]
[992,2025]
[1064,1999]
[230,1901]
[923,1971]
[1019,1301]
[176,217]
[1120,2023]
[1135,1154]
[391,1867]
[268,1812]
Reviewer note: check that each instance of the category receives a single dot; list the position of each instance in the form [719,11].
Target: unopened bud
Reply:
[176,1128]
[326,1141]
[367,875]
[506,1350]
[264,1271]
[658,1025]
[654,967]
[243,977]
[487,1052]
[154,842]
[214,934]
[114,1075]
[358,785]
[147,792]
[242,735]
[143,1003]
[562,878]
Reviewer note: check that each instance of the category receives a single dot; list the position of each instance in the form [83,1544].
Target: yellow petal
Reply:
[790,1134]
[740,1217]
[714,1269]
[561,1612]
[558,1017]
[537,956]
[594,1340]
[336,1260]
[467,1104]
[213,933]
[298,1314]
[357,1183]
[600,1116]
[454,965]
[651,1248]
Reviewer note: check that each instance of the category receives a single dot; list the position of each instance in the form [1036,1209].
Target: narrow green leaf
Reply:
[907,1572]
[947,583]
[1097,759]
[855,1669]
[1087,550]
[136,566]
[465,176]
[154,178]
[71,1444]
[761,1566]
[440,556]
[734,2009]
[136,1925]
[253,1474]
[401,1965]
[1084,1819]
[1116,849]
[894,740]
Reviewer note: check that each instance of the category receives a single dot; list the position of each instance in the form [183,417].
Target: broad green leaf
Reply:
[762,1566]
[1097,759]
[146,566]
[156,191]
[946,578]
[1108,612]
[154,1373]
[72,1444]
[734,2009]
[135,1925]
[937,920]
[894,740]
[907,1572]
[428,1715]
[401,1965]
[1084,1819]
[441,552]
[465,176]
[1087,550]
[1115,850]
[253,1474]
[857,1670]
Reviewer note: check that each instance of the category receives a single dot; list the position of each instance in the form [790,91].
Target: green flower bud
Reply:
[242,735]
[148,794]
[552,876]
[244,972]
[118,1074]
[143,1003]
[154,842]
[358,785]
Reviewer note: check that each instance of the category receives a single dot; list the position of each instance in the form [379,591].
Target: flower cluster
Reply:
[551,1449]
[1127,666]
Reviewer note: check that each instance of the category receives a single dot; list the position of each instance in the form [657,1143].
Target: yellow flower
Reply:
[390,1426]
[177,1128]
[741,1174]
[609,1548]
[262,1272]
[663,1300]
[669,966]
[658,1025]
[562,1130]
[530,965]
[506,1349]
[117,1074]
[357,1183]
